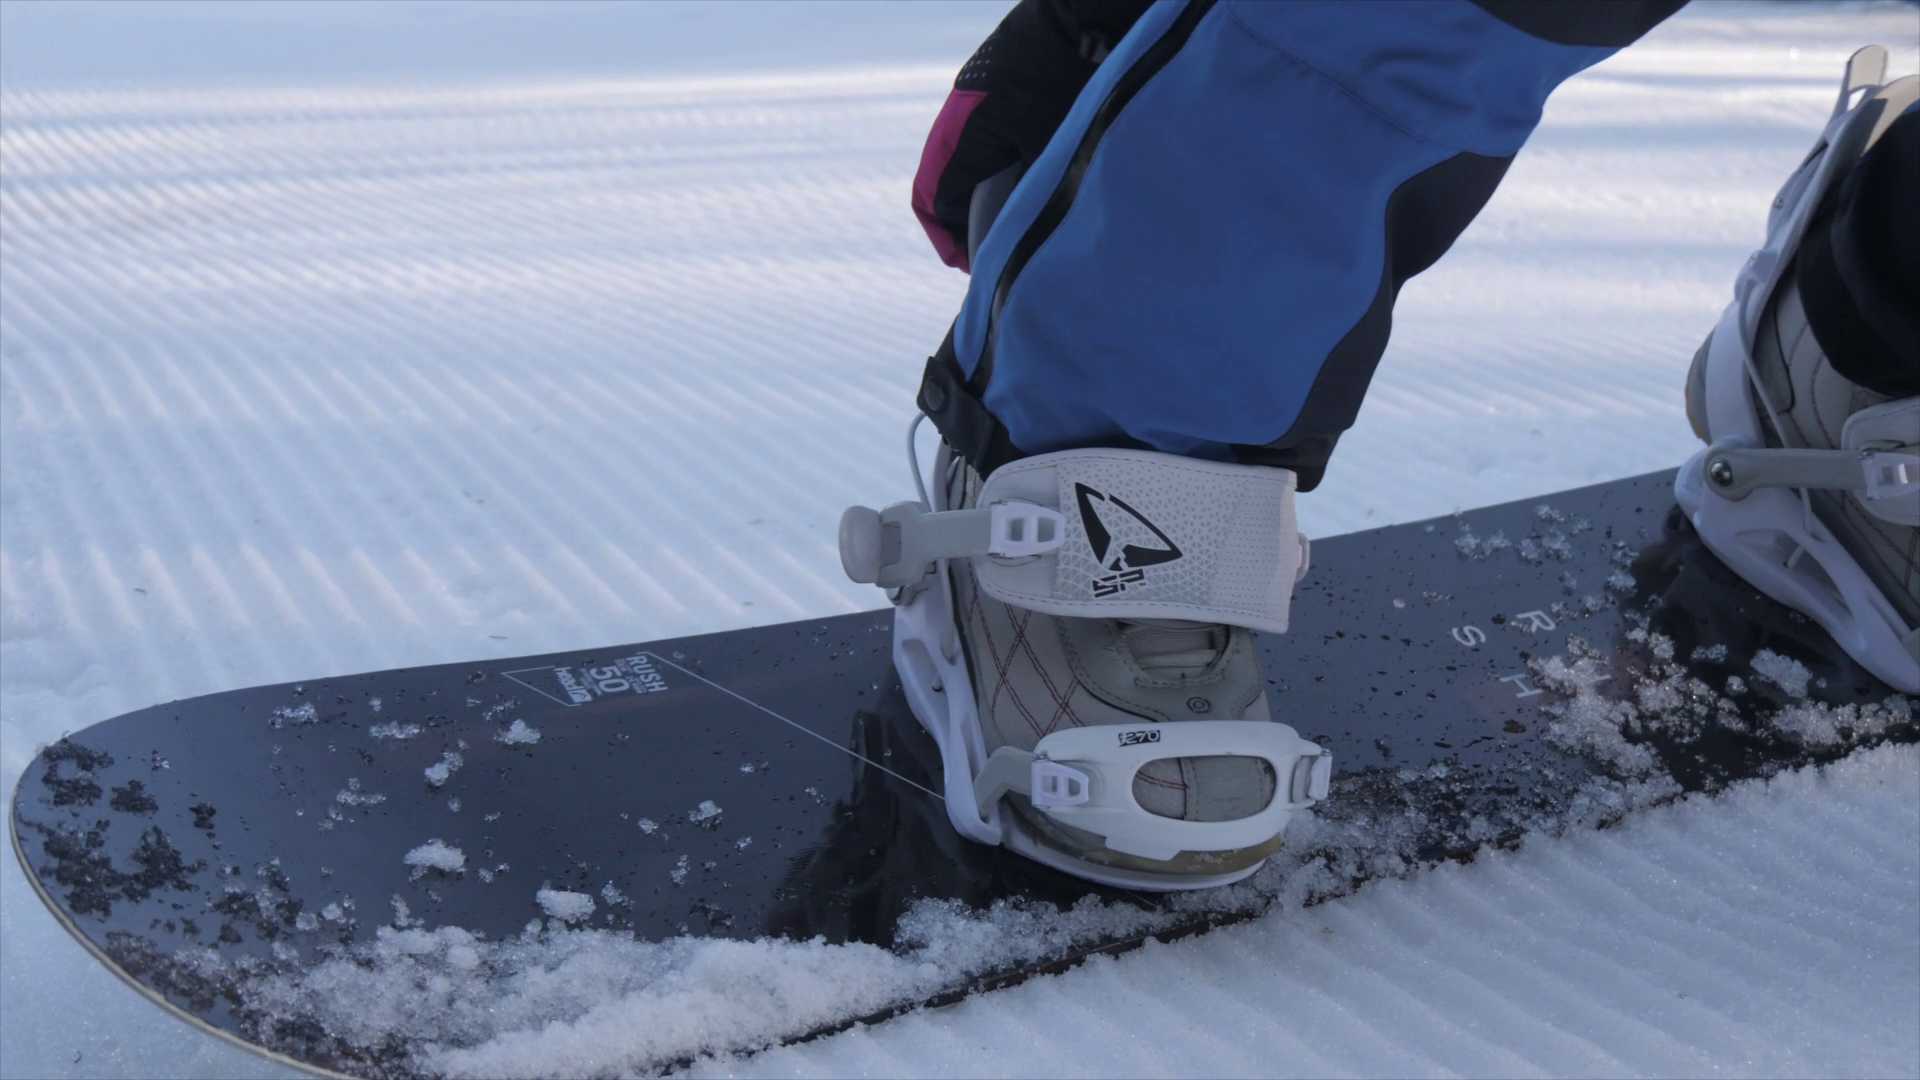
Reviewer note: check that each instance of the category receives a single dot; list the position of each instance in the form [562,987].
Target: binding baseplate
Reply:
[1748,500]
[1079,777]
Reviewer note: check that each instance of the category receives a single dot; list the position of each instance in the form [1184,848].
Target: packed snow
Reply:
[344,337]
[1769,932]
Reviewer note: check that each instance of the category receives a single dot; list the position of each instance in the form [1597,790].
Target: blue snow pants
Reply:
[1204,258]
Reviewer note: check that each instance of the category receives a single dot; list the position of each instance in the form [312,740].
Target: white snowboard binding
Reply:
[1124,581]
[1822,525]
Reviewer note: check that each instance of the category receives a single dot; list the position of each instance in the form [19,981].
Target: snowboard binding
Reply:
[1751,493]
[1033,538]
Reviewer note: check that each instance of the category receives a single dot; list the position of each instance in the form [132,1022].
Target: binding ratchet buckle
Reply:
[1887,482]
[1083,777]
[896,547]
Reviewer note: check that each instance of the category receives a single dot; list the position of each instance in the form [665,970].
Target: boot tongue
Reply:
[1173,646]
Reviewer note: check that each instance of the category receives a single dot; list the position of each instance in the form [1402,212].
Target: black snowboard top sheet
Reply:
[1547,662]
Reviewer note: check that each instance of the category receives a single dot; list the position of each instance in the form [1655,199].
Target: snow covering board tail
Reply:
[720,843]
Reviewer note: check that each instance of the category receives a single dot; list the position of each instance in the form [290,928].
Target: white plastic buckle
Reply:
[1020,529]
[1890,475]
[1312,779]
[1083,778]
[1057,785]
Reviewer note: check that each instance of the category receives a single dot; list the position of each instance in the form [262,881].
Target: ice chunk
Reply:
[1586,721]
[1823,726]
[303,713]
[395,730]
[436,854]
[354,795]
[1782,671]
[519,733]
[441,771]
[570,907]
[1473,547]
[648,825]
[706,815]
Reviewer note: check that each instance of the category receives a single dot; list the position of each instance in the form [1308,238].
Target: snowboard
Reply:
[1526,668]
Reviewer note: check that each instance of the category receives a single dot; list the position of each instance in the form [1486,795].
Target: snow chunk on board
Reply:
[441,771]
[519,733]
[297,715]
[1784,672]
[566,906]
[354,795]
[436,854]
[1824,727]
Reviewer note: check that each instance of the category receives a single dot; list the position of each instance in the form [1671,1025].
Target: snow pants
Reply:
[1203,260]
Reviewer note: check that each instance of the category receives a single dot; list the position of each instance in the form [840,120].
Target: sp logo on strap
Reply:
[1124,542]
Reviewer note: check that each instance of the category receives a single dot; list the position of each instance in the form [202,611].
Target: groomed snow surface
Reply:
[340,337]
[1769,932]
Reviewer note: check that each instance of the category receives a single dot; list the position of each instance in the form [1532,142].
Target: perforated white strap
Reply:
[1105,534]
[1150,535]
[1083,777]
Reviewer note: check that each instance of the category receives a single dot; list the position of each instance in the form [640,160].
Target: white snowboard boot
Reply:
[1075,633]
[1810,485]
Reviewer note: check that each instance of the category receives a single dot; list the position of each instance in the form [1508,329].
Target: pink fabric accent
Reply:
[941,142]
